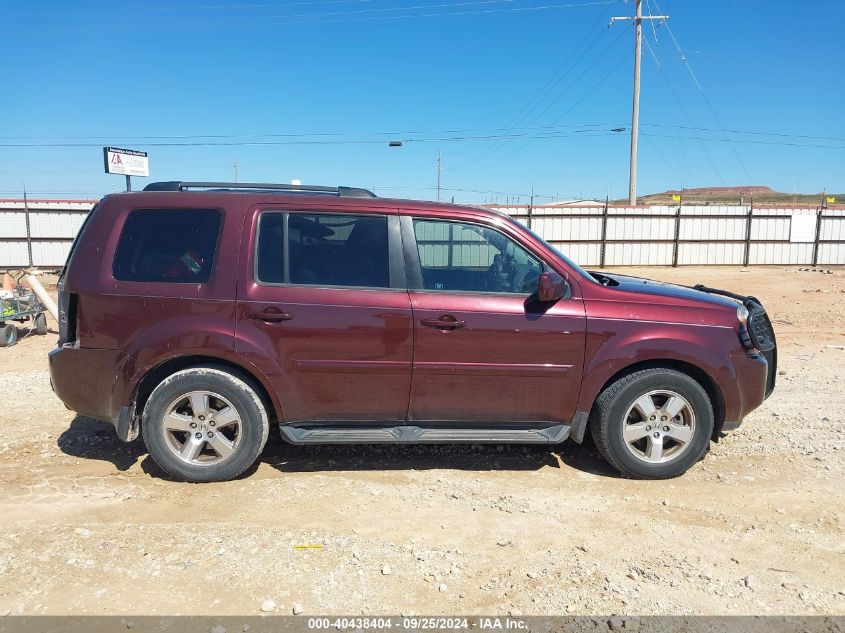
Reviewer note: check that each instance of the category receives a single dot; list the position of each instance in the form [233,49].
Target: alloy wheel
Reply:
[202,428]
[659,426]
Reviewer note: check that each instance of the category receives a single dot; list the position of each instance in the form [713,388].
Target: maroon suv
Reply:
[199,313]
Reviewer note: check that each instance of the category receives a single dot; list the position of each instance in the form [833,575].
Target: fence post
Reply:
[603,247]
[677,235]
[819,217]
[749,216]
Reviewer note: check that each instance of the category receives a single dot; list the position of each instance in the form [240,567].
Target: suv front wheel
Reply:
[204,424]
[653,423]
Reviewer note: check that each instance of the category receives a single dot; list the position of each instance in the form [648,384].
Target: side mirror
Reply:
[550,287]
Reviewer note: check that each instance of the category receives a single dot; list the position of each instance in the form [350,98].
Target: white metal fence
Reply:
[742,235]
[39,233]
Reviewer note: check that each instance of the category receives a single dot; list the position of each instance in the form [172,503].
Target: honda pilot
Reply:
[200,315]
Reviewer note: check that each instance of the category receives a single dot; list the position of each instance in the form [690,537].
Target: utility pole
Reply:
[531,206]
[439,161]
[635,113]
[28,228]
[236,170]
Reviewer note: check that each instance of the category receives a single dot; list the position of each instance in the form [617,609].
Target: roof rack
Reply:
[179,185]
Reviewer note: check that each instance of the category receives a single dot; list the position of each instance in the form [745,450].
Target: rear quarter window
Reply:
[167,245]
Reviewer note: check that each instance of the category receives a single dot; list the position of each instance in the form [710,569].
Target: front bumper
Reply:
[751,372]
[758,336]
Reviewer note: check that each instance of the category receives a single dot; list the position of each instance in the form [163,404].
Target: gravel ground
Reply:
[89,525]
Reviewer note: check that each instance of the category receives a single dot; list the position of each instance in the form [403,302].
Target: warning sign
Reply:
[128,162]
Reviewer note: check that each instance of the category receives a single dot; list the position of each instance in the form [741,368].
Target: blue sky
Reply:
[515,94]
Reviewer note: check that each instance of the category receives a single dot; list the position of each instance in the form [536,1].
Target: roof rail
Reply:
[179,185]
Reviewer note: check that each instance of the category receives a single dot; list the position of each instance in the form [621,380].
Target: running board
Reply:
[359,433]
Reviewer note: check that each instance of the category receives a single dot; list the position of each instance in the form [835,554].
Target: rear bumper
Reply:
[84,379]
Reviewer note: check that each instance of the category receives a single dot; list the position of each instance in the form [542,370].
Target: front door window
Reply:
[462,257]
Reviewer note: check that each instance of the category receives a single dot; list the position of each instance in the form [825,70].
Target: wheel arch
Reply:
[706,381]
[154,377]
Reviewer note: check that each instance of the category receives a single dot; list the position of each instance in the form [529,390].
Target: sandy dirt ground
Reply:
[89,525]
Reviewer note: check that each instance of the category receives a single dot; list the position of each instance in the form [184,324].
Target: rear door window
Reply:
[320,249]
[167,245]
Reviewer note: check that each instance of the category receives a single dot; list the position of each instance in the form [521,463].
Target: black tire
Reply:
[40,323]
[8,335]
[252,431]
[609,417]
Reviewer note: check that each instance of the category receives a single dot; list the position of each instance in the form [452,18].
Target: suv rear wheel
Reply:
[653,424]
[204,424]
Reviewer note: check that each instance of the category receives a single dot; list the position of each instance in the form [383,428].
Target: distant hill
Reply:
[733,195]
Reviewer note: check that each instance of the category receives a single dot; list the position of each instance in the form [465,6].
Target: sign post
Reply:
[128,162]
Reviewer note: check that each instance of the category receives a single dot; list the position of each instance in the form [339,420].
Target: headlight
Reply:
[742,314]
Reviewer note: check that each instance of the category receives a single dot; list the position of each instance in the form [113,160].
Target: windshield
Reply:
[572,264]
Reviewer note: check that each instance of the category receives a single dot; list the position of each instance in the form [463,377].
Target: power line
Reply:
[378,10]
[662,157]
[488,155]
[467,135]
[756,133]
[444,139]
[569,86]
[402,133]
[550,133]
[753,142]
[554,80]
[274,5]
[487,152]
[379,13]
[604,78]
[684,111]
[577,103]
[653,23]
[704,96]
[678,154]
[365,15]
[298,135]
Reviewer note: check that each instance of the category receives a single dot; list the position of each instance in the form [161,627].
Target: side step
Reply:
[360,433]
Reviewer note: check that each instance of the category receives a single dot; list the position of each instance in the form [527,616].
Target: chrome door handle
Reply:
[270,316]
[443,323]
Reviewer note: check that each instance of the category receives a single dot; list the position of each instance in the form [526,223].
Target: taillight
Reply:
[67,314]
